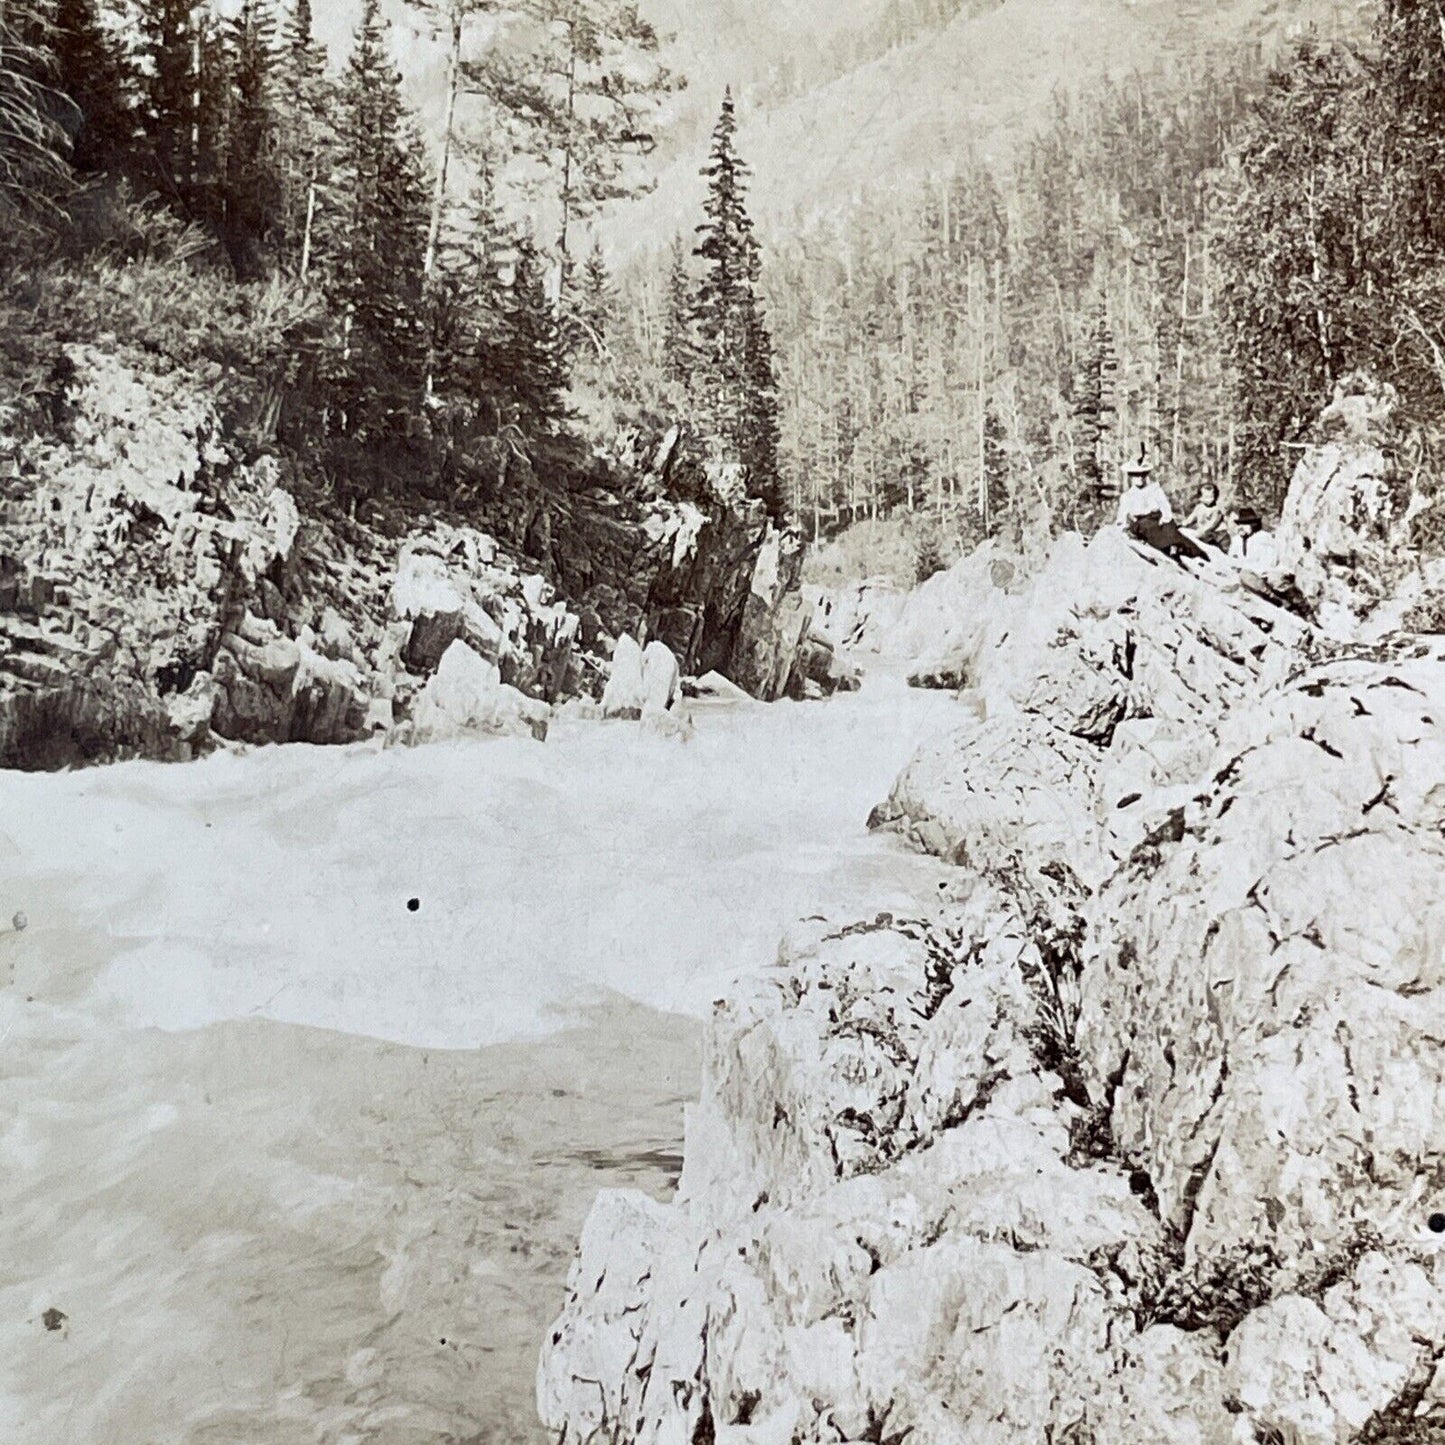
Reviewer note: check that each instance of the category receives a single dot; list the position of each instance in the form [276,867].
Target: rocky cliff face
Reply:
[158,593]
[705,571]
[1130,1139]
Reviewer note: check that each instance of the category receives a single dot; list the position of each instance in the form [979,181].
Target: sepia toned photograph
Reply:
[722,722]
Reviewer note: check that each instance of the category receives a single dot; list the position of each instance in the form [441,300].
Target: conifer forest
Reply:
[1181,253]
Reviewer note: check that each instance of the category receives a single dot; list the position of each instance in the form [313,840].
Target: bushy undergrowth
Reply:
[907,548]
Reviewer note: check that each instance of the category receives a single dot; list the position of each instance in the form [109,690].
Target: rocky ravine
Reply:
[158,593]
[1131,1138]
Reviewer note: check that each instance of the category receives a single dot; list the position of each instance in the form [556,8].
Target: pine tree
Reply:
[583,102]
[214,113]
[92,69]
[677,341]
[720,302]
[759,446]
[530,354]
[305,145]
[1095,414]
[382,204]
[590,303]
[169,46]
[468,341]
[733,380]
[253,194]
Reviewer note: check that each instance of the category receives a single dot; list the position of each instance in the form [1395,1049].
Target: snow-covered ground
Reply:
[296,1160]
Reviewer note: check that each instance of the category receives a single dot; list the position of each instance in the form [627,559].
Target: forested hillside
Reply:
[208,184]
[998,245]
[1183,258]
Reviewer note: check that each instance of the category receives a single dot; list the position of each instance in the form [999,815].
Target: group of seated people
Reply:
[1145,512]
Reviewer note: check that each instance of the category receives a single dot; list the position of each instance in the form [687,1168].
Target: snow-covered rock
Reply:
[661,679]
[1106,635]
[880,1228]
[626,688]
[1138,1136]
[453,583]
[642,682]
[466,694]
[938,625]
[1343,531]
[1010,787]
[715,685]
[1264,986]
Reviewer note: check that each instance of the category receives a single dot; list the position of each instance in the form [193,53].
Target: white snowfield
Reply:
[250,1147]
[1137,1135]
[275,883]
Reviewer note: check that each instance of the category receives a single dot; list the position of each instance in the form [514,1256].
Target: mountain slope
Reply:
[978,82]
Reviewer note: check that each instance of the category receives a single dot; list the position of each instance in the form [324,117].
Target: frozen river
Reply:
[312,1059]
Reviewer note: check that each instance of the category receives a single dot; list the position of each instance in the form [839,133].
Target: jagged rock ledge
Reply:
[158,593]
[1135,1137]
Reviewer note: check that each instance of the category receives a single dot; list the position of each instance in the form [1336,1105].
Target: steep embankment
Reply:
[159,591]
[1133,1138]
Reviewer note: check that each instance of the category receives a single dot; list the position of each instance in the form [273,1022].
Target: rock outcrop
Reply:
[159,593]
[1131,1138]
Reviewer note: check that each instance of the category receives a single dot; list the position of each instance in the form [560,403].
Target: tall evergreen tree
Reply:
[92,69]
[530,355]
[589,313]
[1095,412]
[582,100]
[213,116]
[305,144]
[677,342]
[759,446]
[382,203]
[253,194]
[170,44]
[468,344]
[733,379]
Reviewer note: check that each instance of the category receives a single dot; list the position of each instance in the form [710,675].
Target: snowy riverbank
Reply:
[1133,1136]
[273,1136]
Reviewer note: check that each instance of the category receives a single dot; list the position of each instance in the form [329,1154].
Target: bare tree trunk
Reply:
[1317,273]
[1179,362]
[567,157]
[439,189]
[306,232]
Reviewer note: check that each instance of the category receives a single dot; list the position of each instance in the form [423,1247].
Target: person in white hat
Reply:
[1145,513]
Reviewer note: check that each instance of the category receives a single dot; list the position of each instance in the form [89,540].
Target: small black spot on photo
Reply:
[412,904]
[1436,1223]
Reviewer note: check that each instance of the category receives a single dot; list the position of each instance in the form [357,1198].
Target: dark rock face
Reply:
[431,634]
[686,573]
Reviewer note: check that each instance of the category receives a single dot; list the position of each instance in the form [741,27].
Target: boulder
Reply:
[989,792]
[1343,530]
[715,685]
[466,695]
[878,1230]
[1136,1138]
[626,689]
[818,665]
[661,679]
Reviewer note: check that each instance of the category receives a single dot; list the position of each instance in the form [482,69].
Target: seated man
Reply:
[1255,556]
[1251,544]
[1145,513]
